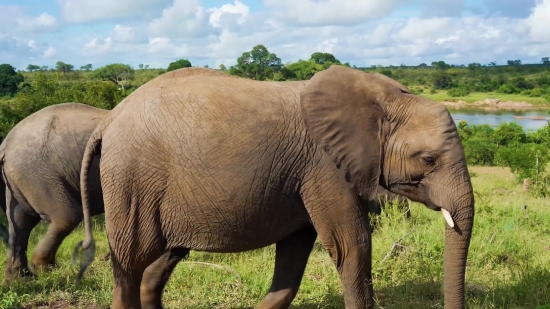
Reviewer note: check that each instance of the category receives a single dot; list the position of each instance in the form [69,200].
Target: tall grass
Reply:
[508,266]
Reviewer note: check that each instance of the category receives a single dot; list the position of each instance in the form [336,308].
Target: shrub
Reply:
[508,89]
[536,92]
[458,92]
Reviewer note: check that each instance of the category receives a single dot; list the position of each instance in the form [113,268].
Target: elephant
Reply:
[196,159]
[40,160]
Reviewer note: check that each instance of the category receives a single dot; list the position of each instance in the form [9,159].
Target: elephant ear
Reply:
[342,110]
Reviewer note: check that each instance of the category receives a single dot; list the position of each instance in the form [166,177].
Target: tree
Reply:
[63,67]
[545,60]
[322,58]
[440,65]
[222,67]
[118,73]
[178,64]
[473,68]
[9,80]
[303,70]
[44,68]
[33,67]
[87,67]
[514,62]
[258,64]
[140,66]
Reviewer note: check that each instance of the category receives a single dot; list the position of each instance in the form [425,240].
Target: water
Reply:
[529,120]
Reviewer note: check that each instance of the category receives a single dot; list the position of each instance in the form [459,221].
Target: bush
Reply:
[458,92]
[522,159]
[536,92]
[508,89]
[526,154]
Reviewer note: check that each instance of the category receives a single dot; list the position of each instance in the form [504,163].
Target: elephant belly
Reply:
[235,227]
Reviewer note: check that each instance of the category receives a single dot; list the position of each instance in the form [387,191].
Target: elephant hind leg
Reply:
[44,253]
[156,276]
[291,256]
[20,227]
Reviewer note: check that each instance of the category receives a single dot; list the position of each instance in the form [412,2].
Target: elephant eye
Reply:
[428,160]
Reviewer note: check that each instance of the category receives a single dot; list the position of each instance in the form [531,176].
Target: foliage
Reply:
[178,64]
[118,73]
[87,67]
[458,92]
[303,70]
[49,90]
[526,154]
[258,64]
[63,67]
[9,80]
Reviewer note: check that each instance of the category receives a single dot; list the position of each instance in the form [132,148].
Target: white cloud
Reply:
[50,52]
[128,35]
[11,46]
[44,22]
[78,11]
[238,9]
[330,12]
[185,18]
[539,22]
[362,32]
[14,20]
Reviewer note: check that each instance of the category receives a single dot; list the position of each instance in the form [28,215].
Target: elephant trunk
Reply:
[457,241]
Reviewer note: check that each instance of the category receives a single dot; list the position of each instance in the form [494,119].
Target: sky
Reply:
[214,32]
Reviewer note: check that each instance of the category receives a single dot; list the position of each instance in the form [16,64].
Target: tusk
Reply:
[448,217]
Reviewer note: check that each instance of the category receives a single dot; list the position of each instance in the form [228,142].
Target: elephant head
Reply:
[379,133]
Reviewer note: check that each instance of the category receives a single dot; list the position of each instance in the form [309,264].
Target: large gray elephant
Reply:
[40,160]
[196,159]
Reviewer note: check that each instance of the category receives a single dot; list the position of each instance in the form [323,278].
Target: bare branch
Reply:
[397,244]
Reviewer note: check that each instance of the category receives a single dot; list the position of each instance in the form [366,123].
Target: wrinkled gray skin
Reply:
[41,159]
[196,159]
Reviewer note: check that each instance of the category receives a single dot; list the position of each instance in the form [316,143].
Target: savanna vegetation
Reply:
[509,261]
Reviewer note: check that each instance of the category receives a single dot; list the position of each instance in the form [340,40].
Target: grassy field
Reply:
[508,266]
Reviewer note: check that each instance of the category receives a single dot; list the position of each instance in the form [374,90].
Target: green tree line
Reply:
[25,92]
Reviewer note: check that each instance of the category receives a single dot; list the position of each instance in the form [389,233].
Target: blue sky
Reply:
[214,32]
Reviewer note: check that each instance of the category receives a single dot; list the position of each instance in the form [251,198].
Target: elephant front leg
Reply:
[291,256]
[156,276]
[343,229]
[20,228]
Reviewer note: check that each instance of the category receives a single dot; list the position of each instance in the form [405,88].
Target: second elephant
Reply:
[40,161]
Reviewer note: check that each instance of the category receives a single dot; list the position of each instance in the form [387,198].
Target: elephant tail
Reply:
[88,245]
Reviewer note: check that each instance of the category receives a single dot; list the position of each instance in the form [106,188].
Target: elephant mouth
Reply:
[417,192]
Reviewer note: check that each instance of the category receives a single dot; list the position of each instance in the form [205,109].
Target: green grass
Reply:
[508,265]
[480,96]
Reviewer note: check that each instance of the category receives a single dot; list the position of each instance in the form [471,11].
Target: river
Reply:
[529,120]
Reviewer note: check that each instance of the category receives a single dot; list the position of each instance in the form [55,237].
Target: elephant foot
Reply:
[41,265]
[12,273]
[277,300]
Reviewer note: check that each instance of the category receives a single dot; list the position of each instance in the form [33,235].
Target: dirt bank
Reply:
[491,104]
